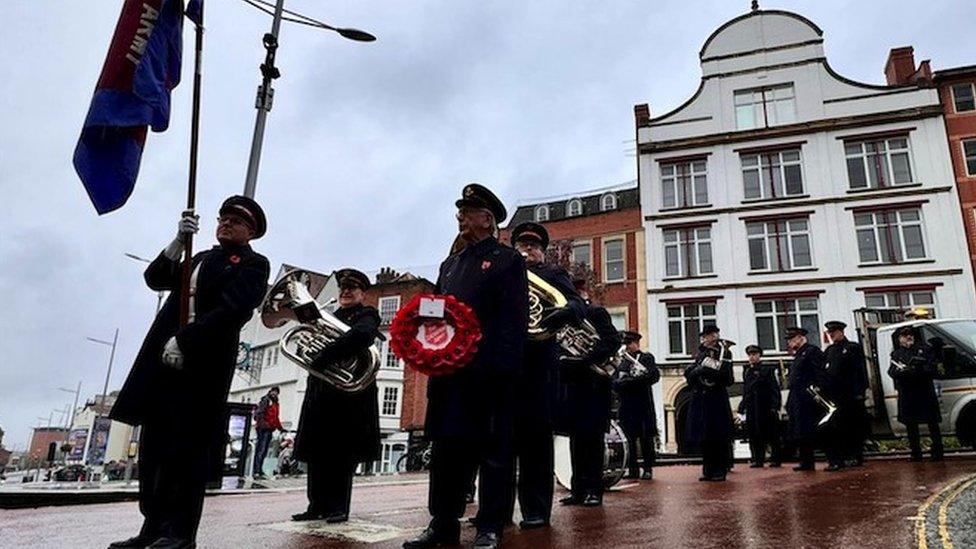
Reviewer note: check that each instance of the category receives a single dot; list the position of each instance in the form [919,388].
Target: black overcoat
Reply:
[536,393]
[477,400]
[761,400]
[845,375]
[709,412]
[636,414]
[339,422]
[230,284]
[806,369]
[917,401]
[588,402]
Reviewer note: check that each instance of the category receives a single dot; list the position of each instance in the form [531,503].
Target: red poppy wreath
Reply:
[435,345]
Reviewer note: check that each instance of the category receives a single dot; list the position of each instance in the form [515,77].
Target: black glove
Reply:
[558,318]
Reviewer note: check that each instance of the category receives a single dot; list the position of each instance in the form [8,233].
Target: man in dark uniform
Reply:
[536,386]
[913,370]
[845,380]
[339,429]
[589,394]
[761,402]
[632,381]
[806,370]
[709,412]
[178,385]
[470,412]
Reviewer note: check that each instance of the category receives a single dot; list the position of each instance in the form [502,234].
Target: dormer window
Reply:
[574,207]
[608,202]
[765,107]
[542,213]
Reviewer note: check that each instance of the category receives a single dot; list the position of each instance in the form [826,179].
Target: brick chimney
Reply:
[900,68]
[386,275]
[642,115]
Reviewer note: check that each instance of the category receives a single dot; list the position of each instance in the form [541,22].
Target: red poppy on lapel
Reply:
[485,264]
[235,259]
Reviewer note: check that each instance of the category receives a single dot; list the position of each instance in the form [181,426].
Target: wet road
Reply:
[885,505]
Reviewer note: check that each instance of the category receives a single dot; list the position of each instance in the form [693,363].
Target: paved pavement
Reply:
[888,504]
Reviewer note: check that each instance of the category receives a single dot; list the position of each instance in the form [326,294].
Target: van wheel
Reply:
[966,426]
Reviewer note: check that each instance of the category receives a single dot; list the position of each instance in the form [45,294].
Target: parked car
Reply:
[70,473]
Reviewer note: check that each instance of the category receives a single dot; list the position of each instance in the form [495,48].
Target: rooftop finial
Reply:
[755,5]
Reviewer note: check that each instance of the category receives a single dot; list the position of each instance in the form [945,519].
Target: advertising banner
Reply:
[99,441]
[77,439]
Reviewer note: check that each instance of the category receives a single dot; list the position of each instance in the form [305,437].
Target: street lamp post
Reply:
[108,375]
[160,294]
[269,73]
[71,421]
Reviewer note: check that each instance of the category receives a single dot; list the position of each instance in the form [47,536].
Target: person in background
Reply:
[761,402]
[709,412]
[633,380]
[266,422]
[806,370]
[913,371]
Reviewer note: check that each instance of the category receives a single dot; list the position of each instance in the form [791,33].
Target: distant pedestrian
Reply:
[913,370]
[761,401]
[266,422]
[709,413]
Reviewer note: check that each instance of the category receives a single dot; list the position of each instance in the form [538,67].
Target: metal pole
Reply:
[111,358]
[264,100]
[191,192]
[71,422]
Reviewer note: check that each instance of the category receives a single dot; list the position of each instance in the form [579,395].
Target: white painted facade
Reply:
[771,50]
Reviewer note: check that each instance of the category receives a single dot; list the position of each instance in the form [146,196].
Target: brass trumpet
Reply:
[814,391]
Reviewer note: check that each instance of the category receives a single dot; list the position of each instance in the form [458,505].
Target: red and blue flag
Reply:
[132,95]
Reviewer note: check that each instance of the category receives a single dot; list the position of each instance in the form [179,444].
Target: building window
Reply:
[963,97]
[582,254]
[574,207]
[608,202]
[687,252]
[772,175]
[389,306]
[779,245]
[387,356]
[969,155]
[890,236]
[902,300]
[684,184]
[685,322]
[774,316]
[764,107]
[619,319]
[542,213]
[391,401]
[878,163]
[613,260]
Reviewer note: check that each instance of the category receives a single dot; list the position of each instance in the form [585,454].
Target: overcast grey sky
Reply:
[366,148]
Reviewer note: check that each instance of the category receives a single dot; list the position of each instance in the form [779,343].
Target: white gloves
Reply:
[172,355]
[189,225]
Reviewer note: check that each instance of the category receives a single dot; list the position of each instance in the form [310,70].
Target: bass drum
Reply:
[615,456]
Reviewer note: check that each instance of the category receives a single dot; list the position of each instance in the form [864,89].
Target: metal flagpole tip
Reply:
[356,34]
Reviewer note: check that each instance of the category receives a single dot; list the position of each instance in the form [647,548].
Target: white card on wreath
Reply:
[432,307]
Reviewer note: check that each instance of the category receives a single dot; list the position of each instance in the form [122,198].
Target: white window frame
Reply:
[541,213]
[570,207]
[684,242]
[880,230]
[625,311]
[772,165]
[608,202]
[911,296]
[623,259]
[784,235]
[966,156]
[589,253]
[972,91]
[683,179]
[689,335]
[786,312]
[387,354]
[384,390]
[386,317]
[887,178]
[763,106]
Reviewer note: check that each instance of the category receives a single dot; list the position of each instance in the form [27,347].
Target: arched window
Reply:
[608,202]
[574,207]
[542,213]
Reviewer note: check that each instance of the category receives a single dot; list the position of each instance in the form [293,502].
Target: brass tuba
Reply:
[289,300]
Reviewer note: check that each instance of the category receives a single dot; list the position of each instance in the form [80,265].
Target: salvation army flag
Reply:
[132,95]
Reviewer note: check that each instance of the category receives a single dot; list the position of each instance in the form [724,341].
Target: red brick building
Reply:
[604,231]
[957,93]
[41,441]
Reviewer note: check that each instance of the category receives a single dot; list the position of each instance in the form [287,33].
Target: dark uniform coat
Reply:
[338,421]
[588,406]
[477,400]
[709,412]
[230,284]
[761,400]
[537,388]
[637,415]
[845,375]
[917,401]
[807,369]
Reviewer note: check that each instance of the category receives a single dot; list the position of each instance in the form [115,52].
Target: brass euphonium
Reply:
[576,341]
[289,300]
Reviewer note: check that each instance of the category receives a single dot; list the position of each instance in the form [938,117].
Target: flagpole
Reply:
[191,193]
